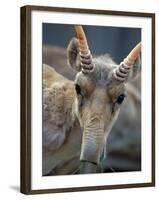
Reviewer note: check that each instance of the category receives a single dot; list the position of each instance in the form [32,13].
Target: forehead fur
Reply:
[101,75]
[103,68]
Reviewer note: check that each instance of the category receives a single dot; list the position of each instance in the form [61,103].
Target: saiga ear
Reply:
[130,66]
[135,69]
[78,53]
[73,57]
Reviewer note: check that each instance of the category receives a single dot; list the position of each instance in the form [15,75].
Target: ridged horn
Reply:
[85,54]
[122,72]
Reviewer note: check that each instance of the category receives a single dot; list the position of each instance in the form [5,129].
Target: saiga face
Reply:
[100,91]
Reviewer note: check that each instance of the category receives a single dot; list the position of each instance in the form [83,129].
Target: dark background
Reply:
[116,41]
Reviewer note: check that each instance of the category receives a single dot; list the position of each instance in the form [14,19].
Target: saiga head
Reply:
[100,91]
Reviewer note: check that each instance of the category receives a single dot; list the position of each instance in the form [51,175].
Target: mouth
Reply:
[87,167]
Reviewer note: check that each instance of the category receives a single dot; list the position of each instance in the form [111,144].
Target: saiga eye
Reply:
[78,89]
[120,98]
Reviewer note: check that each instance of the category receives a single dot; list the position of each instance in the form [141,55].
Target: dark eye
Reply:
[120,98]
[78,89]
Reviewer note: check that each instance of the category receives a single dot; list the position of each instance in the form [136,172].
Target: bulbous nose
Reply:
[92,145]
[93,141]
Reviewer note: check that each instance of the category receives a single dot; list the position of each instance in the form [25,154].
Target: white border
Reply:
[52,182]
